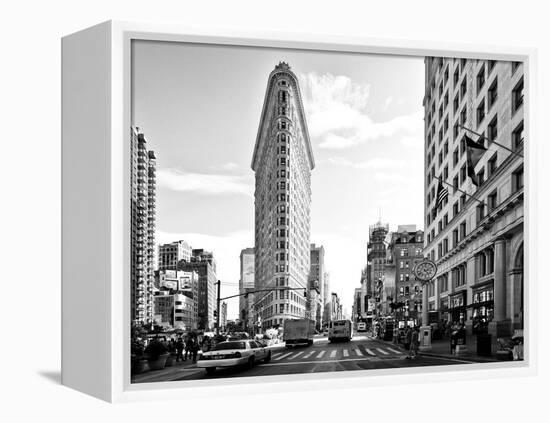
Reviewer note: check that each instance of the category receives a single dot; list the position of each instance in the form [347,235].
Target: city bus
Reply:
[340,330]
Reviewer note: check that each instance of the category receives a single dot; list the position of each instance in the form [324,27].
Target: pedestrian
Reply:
[414,342]
[187,347]
[179,349]
[408,337]
[206,344]
[194,349]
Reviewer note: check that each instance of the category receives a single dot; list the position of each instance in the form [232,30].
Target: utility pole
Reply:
[218,309]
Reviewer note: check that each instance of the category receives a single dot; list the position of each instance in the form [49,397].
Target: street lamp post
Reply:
[218,309]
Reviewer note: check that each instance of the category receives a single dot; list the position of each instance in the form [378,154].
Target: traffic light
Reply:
[305,293]
[215,313]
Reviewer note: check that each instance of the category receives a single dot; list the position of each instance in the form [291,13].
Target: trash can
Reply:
[484,344]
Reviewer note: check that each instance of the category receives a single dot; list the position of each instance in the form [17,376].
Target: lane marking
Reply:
[359,353]
[346,353]
[322,353]
[298,363]
[296,355]
[333,354]
[382,351]
[369,352]
[309,354]
[395,351]
[283,356]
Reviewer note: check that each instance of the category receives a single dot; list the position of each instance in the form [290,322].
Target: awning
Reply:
[482,304]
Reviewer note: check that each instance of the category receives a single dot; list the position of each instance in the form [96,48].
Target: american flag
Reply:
[442,194]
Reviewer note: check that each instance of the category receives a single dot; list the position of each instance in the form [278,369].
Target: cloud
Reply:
[204,183]
[381,163]
[337,116]
[225,166]
[377,163]
[412,141]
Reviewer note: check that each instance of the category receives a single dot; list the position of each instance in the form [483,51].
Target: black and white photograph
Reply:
[301,211]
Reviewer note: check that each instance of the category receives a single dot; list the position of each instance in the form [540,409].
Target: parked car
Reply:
[244,352]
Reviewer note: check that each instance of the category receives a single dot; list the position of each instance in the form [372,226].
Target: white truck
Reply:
[298,332]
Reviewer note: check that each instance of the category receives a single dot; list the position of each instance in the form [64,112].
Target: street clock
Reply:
[425,270]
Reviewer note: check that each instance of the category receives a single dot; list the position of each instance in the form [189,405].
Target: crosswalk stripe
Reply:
[369,352]
[346,353]
[322,353]
[394,351]
[309,354]
[283,356]
[359,353]
[382,351]
[333,354]
[276,355]
[296,355]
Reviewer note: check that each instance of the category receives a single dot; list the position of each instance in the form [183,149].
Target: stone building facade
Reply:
[203,263]
[282,162]
[171,254]
[406,249]
[376,260]
[246,286]
[316,284]
[475,239]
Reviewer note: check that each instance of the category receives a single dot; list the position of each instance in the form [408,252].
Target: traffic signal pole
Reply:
[218,309]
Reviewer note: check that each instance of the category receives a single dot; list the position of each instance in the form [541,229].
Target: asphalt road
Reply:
[361,353]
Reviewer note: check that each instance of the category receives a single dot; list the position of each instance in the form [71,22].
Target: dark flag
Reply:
[474,151]
[441,195]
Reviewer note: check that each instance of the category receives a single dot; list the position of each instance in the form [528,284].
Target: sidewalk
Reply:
[442,348]
[176,371]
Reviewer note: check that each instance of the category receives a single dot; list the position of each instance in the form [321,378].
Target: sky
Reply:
[199,107]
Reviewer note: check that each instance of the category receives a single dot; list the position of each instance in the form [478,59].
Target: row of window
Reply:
[482,209]
[517,101]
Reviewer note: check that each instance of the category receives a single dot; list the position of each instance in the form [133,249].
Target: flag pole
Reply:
[493,142]
[459,190]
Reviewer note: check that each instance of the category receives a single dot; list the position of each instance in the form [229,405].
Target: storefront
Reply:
[457,307]
[482,307]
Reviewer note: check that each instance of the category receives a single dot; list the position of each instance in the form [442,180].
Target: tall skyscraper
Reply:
[143,215]
[475,234]
[316,284]
[326,299]
[246,284]
[317,268]
[282,162]
[204,264]
[376,259]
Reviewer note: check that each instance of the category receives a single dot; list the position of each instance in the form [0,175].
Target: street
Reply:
[361,353]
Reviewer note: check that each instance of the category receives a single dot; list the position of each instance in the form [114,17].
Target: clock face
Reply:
[425,270]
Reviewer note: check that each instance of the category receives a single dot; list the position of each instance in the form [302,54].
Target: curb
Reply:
[474,359]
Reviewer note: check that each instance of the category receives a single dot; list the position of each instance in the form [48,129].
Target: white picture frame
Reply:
[96,91]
